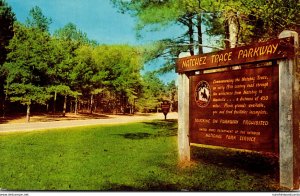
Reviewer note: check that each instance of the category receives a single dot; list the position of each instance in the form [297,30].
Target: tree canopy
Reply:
[230,22]
[7,19]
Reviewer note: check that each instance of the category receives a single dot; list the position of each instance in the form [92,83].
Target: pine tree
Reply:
[7,19]
[37,19]
[27,67]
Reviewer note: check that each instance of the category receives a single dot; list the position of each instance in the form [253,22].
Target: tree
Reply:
[62,58]
[111,70]
[70,33]
[270,18]
[27,94]
[157,15]
[233,22]
[37,19]
[62,90]
[126,70]
[7,19]
[67,41]
[153,92]
[88,77]
[253,21]
[27,66]
[172,94]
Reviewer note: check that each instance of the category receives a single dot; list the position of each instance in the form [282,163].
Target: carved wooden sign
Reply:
[237,109]
[274,49]
[253,106]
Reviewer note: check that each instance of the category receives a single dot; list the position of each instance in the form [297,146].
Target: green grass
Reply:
[131,157]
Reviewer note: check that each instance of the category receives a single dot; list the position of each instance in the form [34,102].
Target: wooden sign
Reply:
[165,107]
[244,108]
[274,49]
[237,109]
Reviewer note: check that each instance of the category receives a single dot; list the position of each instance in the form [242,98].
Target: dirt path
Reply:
[69,121]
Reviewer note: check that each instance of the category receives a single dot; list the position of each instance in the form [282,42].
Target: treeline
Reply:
[67,71]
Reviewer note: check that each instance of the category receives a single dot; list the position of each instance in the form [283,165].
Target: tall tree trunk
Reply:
[199,29]
[4,101]
[54,103]
[65,106]
[71,106]
[233,27]
[191,33]
[92,101]
[76,105]
[227,41]
[28,113]
[133,107]
[4,106]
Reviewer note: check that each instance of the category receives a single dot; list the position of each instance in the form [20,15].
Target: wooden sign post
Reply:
[289,117]
[165,107]
[183,116]
[255,107]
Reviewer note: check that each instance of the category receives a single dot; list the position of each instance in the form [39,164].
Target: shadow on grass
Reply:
[148,185]
[7,118]
[136,136]
[259,163]
[211,169]
[218,170]
[163,124]
[84,116]
[136,114]
[50,117]
[163,128]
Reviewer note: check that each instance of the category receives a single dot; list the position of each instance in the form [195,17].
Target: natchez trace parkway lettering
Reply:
[217,58]
[275,49]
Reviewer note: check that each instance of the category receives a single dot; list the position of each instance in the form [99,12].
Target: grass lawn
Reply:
[130,157]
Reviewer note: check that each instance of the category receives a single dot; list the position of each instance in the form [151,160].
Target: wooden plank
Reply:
[270,50]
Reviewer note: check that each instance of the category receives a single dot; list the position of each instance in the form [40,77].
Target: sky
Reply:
[98,18]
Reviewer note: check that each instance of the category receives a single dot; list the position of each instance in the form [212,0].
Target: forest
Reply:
[67,72]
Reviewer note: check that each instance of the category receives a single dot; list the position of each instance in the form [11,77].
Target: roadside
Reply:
[42,122]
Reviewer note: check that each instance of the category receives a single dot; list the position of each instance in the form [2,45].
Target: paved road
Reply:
[112,119]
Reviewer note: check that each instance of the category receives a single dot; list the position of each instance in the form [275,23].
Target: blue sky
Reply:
[98,18]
